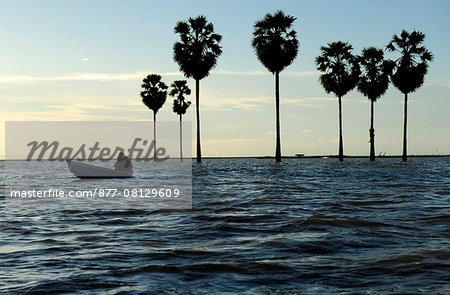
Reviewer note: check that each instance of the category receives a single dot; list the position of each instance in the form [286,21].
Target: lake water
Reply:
[302,226]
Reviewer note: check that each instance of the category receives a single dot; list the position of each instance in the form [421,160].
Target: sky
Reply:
[85,61]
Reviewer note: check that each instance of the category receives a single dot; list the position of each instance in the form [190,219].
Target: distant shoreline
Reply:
[319,157]
[297,157]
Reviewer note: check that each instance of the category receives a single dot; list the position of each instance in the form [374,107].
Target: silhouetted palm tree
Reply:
[154,96]
[341,72]
[411,68]
[373,83]
[196,54]
[276,47]
[179,89]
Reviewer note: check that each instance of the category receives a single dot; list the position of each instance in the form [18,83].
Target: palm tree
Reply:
[410,68]
[341,72]
[154,96]
[276,47]
[179,89]
[196,54]
[373,82]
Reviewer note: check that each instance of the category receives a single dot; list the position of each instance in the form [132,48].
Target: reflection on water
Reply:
[308,226]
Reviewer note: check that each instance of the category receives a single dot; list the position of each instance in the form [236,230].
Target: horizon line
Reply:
[325,156]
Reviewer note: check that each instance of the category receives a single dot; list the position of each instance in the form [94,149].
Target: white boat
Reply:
[83,170]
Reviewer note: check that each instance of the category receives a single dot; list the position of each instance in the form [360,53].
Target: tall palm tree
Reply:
[154,96]
[341,72]
[410,69]
[373,82]
[276,47]
[196,54]
[179,89]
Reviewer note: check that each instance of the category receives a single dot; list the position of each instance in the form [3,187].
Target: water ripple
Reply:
[302,226]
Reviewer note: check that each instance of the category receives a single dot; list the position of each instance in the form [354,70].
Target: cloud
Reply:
[441,83]
[271,132]
[257,103]
[322,141]
[301,73]
[103,77]
[244,103]
[319,101]
[267,73]
[97,106]
[68,114]
[306,131]
[80,111]
[227,141]
[223,128]
[62,97]
[402,102]
[244,73]
[311,102]
[85,59]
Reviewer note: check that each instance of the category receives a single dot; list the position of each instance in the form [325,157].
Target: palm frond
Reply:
[198,49]
[274,42]
[154,92]
[340,68]
[180,89]
[412,65]
[375,70]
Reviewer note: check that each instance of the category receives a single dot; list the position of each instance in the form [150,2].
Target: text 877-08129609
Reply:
[97,192]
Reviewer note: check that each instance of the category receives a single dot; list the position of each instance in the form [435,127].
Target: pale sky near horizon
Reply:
[85,60]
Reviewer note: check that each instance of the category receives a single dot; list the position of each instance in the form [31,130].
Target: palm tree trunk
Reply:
[277,110]
[154,135]
[341,145]
[372,134]
[181,138]
[404,156]
[197,99]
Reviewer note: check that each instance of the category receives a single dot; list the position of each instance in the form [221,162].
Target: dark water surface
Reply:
[302,226]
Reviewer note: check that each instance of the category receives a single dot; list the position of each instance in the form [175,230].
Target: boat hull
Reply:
[82,170]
